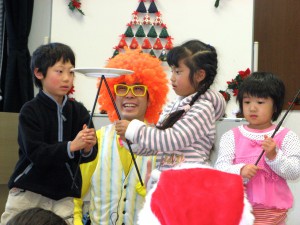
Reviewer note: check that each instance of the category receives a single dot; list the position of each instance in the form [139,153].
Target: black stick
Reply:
[119,117]
[279,124]
[89,125]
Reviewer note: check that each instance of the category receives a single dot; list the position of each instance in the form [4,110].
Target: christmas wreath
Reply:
[234,85]
[75,5]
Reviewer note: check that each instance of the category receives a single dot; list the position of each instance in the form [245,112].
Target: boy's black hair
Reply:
[196,55]
[47,55]
[263,85]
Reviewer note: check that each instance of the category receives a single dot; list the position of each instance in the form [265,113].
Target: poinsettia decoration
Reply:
[70,93]
[75,5]
[234,84]
[226,95]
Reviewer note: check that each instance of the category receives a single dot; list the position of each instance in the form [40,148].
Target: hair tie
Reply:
[186,107]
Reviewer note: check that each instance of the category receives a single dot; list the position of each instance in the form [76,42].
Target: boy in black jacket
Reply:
[53,138]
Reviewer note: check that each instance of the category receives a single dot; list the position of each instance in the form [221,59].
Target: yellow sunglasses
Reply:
[137,90]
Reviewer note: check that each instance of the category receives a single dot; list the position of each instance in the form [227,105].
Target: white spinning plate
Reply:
[98,72]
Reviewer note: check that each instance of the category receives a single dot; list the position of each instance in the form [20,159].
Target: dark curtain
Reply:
[3,55]
[18,87]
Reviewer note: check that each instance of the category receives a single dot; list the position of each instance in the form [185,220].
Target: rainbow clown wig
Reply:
[148,71]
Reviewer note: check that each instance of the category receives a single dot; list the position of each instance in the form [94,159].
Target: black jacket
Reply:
[45,166]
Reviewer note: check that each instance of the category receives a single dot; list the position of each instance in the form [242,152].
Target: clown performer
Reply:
[116,195]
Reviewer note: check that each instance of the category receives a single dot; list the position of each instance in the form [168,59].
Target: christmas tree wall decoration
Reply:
[143,29]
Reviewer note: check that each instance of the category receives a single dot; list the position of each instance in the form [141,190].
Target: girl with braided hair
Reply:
[186,130]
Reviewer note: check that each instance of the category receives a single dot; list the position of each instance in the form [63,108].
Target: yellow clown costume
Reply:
[116,193]
[111,202]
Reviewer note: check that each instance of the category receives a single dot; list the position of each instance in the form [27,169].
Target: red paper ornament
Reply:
[134,43]
[157,45]
[122,42]
[169,44]
[146,44]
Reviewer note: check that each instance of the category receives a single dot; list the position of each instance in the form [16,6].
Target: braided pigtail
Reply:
[171,119]
[175,116]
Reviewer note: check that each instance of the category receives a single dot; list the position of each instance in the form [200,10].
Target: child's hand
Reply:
[89,137]
[121,127]
[85,139]
[269,145]
[153,179]
[249,171]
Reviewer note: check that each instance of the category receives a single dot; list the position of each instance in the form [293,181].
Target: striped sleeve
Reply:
[199,121]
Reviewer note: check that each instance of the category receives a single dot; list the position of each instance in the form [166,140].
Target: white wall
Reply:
[41,24]
[93,36]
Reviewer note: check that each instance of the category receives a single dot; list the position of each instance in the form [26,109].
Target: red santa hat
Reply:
[196,196]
